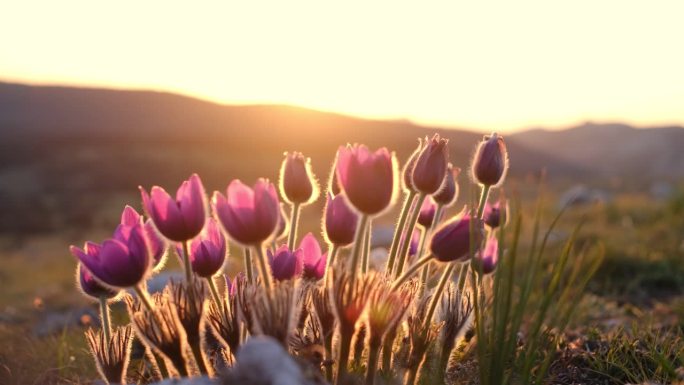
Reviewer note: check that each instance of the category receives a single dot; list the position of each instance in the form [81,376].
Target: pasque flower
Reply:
[340,221]
[250,216]
[431,164]
[488,257]
[177,219]
[314,260]
[427,213]
[367,178]
[448,192]
[407,172]
[208,250]
[496,214]
[286,264]
[157,244]
[90,286]
[120,262]
[297,182]
[452,240]
[490,162]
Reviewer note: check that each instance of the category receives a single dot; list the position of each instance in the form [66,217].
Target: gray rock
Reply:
[189,381]
[263,361]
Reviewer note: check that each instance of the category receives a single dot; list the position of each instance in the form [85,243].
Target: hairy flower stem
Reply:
[446,349]
[411,270]
[330,262]
[215,294]
[144,297]
[421,250]
[408,234]
[200,359]
[356,251]
[186,261]
[294,221]
[105,319]
[328,345]
[343,356]
[249,267]
[373,356]
[410,196]
[157,364]
[366,247]
[264,270]
[446,276]
[387,346]
[483,200]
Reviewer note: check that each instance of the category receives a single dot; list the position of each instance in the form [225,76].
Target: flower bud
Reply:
[340,221]
[427,212]
[208,250]
[430,168]
[179,219]
[285,264]
[488,258]
[448,192]
[297,183]
[451,242]
[367,178]
[495,215]
[314,260]
[407,172]
[490,162]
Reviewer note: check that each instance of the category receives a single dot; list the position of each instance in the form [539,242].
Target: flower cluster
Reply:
[310,294]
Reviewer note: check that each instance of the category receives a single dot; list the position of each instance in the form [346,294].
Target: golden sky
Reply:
[501,65]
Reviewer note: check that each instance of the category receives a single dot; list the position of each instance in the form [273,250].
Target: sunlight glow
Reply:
[483,65]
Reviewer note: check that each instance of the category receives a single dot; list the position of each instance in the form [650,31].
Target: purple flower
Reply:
[231,285]
[367,178]
[490,161]
[427,212]
[488,258]
[448,192]
[297,183]
[90,286]
[451,242]
[407,173]
[249,216]
[430,168]
[415,241]
[157,244]
[208,250]
[313,259]
[494,215]
[180,219]
[123,261]
[285,264]
[340,221]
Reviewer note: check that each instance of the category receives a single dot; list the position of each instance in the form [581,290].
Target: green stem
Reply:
[483,200]
[294,219]
[327,344]
[186,262]
[144,297]
[408,234]
[373,355]
[387,346]
[249,267]
[366,247]
[426,269]
[438,293]
[411,270]
[215,293]
[264,269]
[106,321]
[398,231]
[356,251]
[330,262]
[204,369]
[343,358]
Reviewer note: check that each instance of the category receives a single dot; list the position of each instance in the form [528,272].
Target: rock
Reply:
[189,381]
[158,282]
[56,322]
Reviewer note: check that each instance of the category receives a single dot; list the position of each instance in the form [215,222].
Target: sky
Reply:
[502,65]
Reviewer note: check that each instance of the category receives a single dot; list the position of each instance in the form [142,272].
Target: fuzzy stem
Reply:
[425,273]
[157,363]
[356,251]
[411,270]
[483,200]
[106,321]
[445,353]
[373,355]
[387,346]
[144,297]
[328,345]
[408,234]
[200,359]
[438,293]
[411,375]
[215,293]
[249,267]
[398,231]
[343,357]
[294,220]
[186,261]
[264,270]
[181,366]
[330,262]
[366,247]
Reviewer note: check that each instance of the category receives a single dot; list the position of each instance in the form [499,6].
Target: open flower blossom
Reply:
[340,221]
[427,213]
[495,215]
[314,260]
[367,178]
[122,261]
[490,162]
[90,286]
[208,250]
[286,264]
[249,215]
[488,257]
[297,182]
[448,192]
[177,219]
[431,164]
[157,244]
[451,241]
